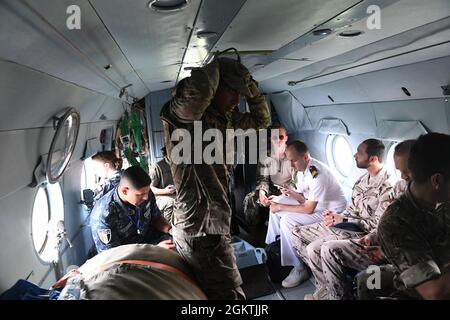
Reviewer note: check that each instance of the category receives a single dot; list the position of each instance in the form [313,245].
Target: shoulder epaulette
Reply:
[314,171]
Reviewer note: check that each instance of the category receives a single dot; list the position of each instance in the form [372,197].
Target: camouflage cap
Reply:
[235,75]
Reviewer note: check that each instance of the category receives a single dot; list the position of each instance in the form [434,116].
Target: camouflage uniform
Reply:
[363,292]
[114,223]
[161,177]
[416,241]
[107,185]
[202,213]
[370,197]
[265,182]
[340,255]
[112,275]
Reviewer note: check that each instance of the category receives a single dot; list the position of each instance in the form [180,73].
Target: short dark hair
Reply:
[375,147]
[136,177]
[299,146]
[429,155]
[403,148]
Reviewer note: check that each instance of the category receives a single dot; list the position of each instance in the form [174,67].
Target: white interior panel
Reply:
[36,44]
[395,19]
[423,80]
[30,99]
[357,117]
[151,40]
[360,61]
[93,40]
[270,24]
[15,218]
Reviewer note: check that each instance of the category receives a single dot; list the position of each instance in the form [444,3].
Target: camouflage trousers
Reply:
[165,205]
[321,248]
[213,263]
[338,256]
[251,208]
[386,283]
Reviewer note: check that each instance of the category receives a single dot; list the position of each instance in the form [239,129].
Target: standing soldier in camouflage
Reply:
[415,230]
[162,186]
[369,201]
[340,255]
[202,214]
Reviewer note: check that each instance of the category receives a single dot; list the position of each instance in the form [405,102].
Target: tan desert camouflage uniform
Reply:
[370,198]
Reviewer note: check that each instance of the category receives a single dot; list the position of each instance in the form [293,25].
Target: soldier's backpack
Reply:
[277,273]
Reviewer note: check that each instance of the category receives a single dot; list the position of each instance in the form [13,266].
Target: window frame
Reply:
[47,199]
[48,253]
[330,155]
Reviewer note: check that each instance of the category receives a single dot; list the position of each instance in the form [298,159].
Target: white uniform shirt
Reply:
[317,183]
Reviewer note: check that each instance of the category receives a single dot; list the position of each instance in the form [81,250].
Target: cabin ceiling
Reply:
[153,50]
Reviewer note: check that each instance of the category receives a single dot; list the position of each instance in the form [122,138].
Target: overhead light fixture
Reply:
[322,32]
[350,33]
[167,5]
[206,34]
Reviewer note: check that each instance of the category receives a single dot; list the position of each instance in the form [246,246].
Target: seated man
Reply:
[162,186]
[370,198]
[128,214]
[337,256]
[316,190]
[415,230]
[273,171]
[131,272]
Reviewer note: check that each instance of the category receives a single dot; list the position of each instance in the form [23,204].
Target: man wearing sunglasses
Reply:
[274,170]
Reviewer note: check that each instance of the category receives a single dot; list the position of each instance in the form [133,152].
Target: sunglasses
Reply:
[280,137]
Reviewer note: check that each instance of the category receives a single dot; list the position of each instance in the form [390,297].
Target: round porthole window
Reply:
[40,220]
[48,211]
[339,155]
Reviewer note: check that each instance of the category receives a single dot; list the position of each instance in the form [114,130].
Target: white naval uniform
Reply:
[323,188]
